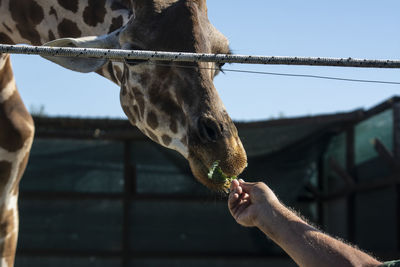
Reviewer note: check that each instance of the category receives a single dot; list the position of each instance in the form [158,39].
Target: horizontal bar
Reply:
[373,185]
[49,195]
[120,54]
[149,254]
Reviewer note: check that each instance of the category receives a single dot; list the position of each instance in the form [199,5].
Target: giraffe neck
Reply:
[36,22]
[16,135]
[39,21]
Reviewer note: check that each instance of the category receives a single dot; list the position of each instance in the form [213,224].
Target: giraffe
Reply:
[174,104]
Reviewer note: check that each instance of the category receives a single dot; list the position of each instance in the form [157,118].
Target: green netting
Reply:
[221,262]
[282,155]
[24,261]
[162,171]
[261,141]
[335,217]
[376,220]
[375,212]
[151,262]
[336,150]
[173,226]
[74,166]
[379,126]
[287,173]
[372,170]
[70,224]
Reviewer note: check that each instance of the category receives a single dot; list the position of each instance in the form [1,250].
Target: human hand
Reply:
[248,202]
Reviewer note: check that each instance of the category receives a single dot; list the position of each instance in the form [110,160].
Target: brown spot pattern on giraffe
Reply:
[27,14]
[152,120]
[51,35]
[7,28]
[116,23]
[152,135]
[5,172]
[184,140]
[131,96]
[186,94]
[161,98]
[138,95]
[129,114]
[93,14]
[136,110]
[21,169]
[71,5]
[6,73]
[8,246]
[111,72]
[140,101]
[118,72]
[173,125]
[68,28]
[53,12]
[166,140]
[144,79]
[13,115]
[5,39]
[124,91]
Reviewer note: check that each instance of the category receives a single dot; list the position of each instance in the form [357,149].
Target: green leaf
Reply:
[217,175]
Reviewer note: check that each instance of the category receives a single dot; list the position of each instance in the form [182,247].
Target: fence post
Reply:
[396,149]
[351,198]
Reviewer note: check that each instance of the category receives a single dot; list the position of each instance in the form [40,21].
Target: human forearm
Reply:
[306,245]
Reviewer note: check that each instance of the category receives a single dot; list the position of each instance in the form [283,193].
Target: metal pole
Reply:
[119,54]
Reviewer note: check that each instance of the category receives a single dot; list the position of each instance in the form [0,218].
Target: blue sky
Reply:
[321,28]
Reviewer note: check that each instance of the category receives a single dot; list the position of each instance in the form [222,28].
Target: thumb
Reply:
[257,189]
[246,186]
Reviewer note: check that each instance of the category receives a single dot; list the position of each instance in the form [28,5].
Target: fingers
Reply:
[245,185]
[237,189]
[237,197]
[234,195]
[234,184]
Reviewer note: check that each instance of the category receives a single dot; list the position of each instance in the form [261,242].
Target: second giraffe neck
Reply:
[37,22]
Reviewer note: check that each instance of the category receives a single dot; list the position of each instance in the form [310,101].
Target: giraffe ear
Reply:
[83,64]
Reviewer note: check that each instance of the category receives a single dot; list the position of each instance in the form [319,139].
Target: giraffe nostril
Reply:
[208,129]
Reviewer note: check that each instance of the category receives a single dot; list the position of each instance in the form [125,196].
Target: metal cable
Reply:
[282,74]
[119,54]
[314,76]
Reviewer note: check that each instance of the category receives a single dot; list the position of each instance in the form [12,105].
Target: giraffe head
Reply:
[174,104]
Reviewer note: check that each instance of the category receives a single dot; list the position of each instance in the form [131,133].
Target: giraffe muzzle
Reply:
[215,140]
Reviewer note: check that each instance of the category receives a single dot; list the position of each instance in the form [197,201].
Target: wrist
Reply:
[267,216]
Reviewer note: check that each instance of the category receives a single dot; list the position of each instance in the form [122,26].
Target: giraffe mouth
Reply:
[200,171]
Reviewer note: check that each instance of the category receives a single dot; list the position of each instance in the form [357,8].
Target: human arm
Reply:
[254,204]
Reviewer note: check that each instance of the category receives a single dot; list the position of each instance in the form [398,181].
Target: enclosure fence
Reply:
[120,55]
